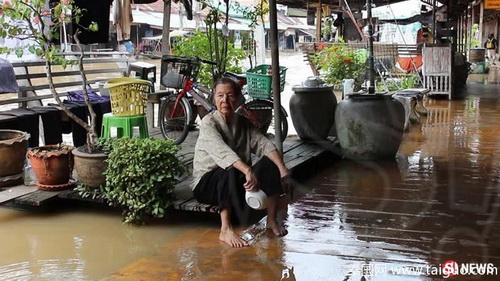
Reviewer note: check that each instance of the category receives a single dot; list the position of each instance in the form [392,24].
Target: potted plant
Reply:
[52,166]
[140,177]
[337,62]
[326,28]
[37,23]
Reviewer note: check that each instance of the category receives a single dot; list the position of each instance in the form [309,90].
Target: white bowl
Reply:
[256,199]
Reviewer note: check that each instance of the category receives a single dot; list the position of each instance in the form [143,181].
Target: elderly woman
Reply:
[222,167]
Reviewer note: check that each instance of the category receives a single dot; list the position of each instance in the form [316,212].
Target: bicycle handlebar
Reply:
[207,61]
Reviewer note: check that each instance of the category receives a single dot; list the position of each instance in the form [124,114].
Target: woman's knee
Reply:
[266,165]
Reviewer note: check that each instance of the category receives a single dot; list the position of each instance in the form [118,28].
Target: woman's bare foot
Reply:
[229,237]
[277,229]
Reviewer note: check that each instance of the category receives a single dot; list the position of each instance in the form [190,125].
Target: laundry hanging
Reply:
[93,11]
[122,19]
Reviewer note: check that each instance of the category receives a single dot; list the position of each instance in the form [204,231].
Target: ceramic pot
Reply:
[90,167]
[13,147]
[51,165]
[312,109]
[370,126]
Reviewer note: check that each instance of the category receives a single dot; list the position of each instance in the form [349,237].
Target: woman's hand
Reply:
[285,180]
[284,172]
[251,183]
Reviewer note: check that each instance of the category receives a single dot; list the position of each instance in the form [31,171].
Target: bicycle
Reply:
[177,115]
[260,111]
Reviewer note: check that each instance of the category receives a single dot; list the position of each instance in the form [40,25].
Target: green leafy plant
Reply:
[255,14]
[327,28]
[33,22]
[338,62]
[199,45]
[474,41]
[141,176]
[405,82]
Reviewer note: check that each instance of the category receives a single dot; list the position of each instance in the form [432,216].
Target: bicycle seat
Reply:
[239,76]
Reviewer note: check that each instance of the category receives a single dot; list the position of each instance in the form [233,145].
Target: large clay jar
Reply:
[370,126]
[312,109]
[51,164]
[90,167]
[13,147]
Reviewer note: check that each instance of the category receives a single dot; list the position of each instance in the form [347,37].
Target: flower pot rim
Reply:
[79,151]
[47,154]
[370,96]
[21,136]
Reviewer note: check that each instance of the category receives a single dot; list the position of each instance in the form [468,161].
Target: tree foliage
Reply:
[199,46]
[35,23]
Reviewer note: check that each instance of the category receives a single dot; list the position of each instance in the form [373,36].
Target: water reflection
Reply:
[75,244]
[438,202]
[398,220]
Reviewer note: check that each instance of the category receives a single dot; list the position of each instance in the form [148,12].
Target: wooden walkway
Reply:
[300,157]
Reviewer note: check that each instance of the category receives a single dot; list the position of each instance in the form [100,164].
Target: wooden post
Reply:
[466,31]
[273,38]
[319,12]
[371,62]
[471,23]
[165,48]
[481,18]
[165,35]
[495,29]
[460,36]
[434,21]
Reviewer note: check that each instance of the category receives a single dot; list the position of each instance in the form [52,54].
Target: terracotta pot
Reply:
[90,167]
[13,147]
[51,165]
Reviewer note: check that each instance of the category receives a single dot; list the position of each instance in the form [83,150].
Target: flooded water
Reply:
[433,210]
[76,243]
[431,213]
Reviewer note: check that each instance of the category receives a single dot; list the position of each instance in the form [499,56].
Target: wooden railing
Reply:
[34,87]
[385,55]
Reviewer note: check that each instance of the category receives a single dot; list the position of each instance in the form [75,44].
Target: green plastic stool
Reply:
[124,125]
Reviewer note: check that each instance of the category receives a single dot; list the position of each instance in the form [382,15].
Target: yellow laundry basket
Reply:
[128,95]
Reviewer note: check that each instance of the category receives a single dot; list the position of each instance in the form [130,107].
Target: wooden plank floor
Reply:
[296,154]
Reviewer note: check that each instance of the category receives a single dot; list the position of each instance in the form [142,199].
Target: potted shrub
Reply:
[337,62]
[34,22]
[140,177]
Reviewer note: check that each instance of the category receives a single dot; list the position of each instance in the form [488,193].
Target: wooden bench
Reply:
[22,110]
[34,88]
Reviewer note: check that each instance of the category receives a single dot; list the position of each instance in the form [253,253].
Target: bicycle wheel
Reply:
[174,119]
[260,113]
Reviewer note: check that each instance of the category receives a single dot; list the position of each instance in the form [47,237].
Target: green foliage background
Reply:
[199,46]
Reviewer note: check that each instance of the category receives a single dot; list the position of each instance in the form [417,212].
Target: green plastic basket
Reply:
[259,83]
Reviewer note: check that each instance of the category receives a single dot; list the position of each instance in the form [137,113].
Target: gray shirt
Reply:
[220,144]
